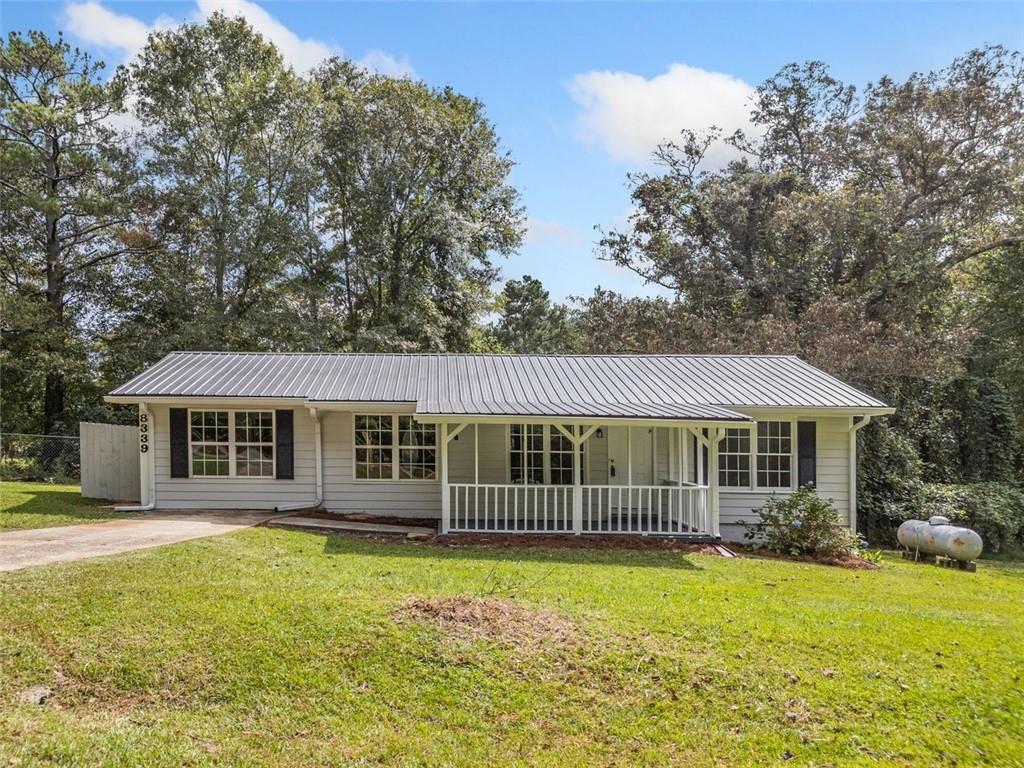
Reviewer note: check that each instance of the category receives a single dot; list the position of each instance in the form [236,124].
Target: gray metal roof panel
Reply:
[504,384]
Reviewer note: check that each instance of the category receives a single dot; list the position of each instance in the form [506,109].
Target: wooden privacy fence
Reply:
[110,461]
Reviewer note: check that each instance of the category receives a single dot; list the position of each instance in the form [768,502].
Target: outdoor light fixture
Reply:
[599,434]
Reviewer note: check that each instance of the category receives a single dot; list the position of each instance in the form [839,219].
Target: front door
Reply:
[619,448]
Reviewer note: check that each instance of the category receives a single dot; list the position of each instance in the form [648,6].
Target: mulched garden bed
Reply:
[558,541]
[844,561]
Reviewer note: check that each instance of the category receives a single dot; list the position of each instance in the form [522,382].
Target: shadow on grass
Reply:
[46,500]
[345,544]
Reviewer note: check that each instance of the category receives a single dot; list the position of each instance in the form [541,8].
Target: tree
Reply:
[872,203]
[225,133]
[67,215]
[528,321]
[416,203]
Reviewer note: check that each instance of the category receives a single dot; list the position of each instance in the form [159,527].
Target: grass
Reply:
[270,647]
[43,505]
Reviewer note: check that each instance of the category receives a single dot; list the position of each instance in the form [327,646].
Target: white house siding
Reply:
[343,493]
[832,471]
[232,492]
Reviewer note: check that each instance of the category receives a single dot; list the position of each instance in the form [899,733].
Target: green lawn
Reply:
[275,647]
[43,505]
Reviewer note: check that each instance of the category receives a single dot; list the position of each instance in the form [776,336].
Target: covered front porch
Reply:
[556,475]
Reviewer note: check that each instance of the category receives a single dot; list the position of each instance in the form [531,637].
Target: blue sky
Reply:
[580,93]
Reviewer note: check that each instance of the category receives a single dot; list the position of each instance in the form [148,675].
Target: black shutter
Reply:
[806,453]
[179,442]
[705,458]
[284,447]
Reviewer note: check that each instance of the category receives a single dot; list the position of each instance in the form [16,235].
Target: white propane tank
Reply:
[940,538]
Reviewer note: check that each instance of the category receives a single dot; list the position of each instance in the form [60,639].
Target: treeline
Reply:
[208,196]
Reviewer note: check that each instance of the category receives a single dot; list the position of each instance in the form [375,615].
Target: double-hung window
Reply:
[734,459]
[545,456]
[763,461]
[394,447]
[774,454]
[231,443]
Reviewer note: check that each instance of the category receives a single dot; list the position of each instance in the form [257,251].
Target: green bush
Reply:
[20,468]
[802,523]
[994,510]
[888,483]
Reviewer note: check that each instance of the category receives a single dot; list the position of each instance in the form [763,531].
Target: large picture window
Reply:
[231,443]
[393,447]
[543,457]
[734,459]
[774,454]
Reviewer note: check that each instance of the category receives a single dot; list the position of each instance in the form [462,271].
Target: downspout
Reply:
[318,459]
[855,427]
[147,476]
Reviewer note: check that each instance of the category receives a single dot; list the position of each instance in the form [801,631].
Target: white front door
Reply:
[619,450]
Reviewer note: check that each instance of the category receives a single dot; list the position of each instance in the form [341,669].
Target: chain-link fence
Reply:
[39,457]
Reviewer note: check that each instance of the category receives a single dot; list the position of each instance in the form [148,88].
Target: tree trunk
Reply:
[53,392]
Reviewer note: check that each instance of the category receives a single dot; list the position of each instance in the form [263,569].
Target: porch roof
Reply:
[684,387]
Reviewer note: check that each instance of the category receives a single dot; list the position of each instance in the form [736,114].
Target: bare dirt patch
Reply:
[464,617]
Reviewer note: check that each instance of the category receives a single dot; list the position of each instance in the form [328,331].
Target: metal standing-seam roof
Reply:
[685,387]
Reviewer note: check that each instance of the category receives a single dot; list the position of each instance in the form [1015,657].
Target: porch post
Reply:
[445,490]
[577,482]
[716,436]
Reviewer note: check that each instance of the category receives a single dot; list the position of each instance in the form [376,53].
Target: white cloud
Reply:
[551,232]
[384,63]
[99,26]
[629,115]
[301,53]
[93,23]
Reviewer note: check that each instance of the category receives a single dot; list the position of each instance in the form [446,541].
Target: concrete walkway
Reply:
[321,524]
[42,546]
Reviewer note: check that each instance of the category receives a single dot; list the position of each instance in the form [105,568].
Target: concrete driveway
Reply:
[42,546]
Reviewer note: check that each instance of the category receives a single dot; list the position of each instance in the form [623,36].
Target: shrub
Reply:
[889,482]
[994,510]
[801,523]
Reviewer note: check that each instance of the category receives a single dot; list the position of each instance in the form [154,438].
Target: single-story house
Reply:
[685,445]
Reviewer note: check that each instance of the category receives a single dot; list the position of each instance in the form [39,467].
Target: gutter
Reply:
[318,459]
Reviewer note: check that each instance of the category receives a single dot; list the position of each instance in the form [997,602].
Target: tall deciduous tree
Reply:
[225,129]
[417,203]
[66,214]
[873,201]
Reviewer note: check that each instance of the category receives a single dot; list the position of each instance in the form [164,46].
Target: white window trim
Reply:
[395,447]
[792,459]
[793,469]
[751,470]
[232,459]
[549,429]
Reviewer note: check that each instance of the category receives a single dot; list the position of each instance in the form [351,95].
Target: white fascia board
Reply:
[429,418]
[199,400]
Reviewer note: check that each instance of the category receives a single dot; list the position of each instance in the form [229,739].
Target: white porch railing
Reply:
[506,508]
[509,508]
[646,509]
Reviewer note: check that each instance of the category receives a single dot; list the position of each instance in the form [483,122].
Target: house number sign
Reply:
[143,432]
